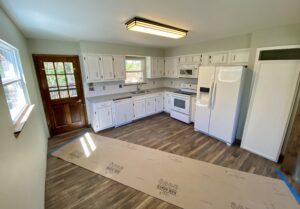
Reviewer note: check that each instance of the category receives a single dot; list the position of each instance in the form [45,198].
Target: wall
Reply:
[23,159]
[236,42]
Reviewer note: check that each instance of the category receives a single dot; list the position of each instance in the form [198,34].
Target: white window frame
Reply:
[25,111]
[143,70]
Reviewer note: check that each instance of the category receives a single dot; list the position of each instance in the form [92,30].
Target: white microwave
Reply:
[188,71]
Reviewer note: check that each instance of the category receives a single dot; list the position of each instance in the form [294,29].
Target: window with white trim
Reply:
[12,80]
[135,67]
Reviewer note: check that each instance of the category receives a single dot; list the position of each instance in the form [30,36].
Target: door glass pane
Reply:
[59,67]
[69,67]
[73,93]
[51,80]
[61,79]
[54,95]
[49,68]
[64,94]
[15,98]
[71,80]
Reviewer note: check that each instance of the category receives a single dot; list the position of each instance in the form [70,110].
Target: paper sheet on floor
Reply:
[178,180]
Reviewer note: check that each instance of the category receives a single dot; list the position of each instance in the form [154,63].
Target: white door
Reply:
[104,116]
[92,67]
[171,65]
[107,68]
[150,106]
[159,104]
[205,59]
[204,92]
[225,103]
[270,107]
[154,70]
[119,67]
[139,108]
[160,67]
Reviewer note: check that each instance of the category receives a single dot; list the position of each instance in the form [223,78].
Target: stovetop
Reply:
[185,93]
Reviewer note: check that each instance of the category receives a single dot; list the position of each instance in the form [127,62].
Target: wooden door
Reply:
[61,90]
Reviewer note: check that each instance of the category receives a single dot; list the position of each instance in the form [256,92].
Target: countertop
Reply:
[127,94]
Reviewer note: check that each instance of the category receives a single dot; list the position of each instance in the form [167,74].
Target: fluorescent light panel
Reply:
[154,28]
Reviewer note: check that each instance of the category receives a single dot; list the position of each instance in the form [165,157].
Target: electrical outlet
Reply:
[120,86]
[104,87]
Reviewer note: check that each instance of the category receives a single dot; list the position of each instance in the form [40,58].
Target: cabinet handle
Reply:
[87,77]
[95,113]
[222,58]
[101,76]
[233,57]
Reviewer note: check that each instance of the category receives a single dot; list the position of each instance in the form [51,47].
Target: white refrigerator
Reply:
[219,92]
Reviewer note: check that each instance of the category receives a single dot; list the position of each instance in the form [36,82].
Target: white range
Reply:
[181,106]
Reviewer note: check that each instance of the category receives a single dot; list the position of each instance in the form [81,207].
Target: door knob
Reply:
[79,101]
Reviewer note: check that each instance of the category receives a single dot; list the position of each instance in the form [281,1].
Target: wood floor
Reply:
[69,186]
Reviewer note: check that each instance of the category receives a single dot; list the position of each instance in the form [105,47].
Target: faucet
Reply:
[138,87]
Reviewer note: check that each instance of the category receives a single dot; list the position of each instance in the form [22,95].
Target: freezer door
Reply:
[225,105]
[204,93]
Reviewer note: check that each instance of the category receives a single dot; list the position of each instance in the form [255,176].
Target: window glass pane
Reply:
[73,93]
[8,70]
[64,94]
[54,95]
[133,65]
[69,67]
[59,67]
[49,68]
[15,97]
[134,77]
[61,79]
[71,80]
[51,80]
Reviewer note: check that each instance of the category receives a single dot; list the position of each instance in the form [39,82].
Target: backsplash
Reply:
[106,88]
[101,89]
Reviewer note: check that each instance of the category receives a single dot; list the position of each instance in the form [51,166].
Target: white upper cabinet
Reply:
[107,68]
[171,67]
[196,59]
[160,67]
[100,68]
[205,59]
[239,56]
[189,59]
[155,67]
[93,67]
[119,67]
[219,58]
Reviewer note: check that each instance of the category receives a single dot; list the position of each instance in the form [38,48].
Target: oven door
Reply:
[181,104]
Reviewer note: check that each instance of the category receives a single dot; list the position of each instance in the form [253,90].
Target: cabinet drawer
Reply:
[103,104]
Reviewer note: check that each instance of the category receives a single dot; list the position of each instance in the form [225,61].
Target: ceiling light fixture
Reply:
[155,28]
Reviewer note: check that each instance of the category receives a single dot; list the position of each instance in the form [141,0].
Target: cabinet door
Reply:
[160,67]
[171,65]
[154,67]
[150,106]
[219,58]
[159,104]
[104,116]
[167,102]
[92,67]
[196,59]
[239,57]
[139,108]
[119,67]
[205,59]
[107,68]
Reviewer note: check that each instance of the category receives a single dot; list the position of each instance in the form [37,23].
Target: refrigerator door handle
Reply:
[213,100]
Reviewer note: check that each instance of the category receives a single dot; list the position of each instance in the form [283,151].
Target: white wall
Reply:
[23,159]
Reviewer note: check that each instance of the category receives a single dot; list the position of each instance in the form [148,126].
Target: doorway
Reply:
[61,89]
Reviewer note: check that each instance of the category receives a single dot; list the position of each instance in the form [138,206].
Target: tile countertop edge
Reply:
[110,97]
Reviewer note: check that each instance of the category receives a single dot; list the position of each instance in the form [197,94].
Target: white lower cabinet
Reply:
[150,105]
[123,111]
[193,109]
[167,102]
[139,108]
[159,103]
[102,116]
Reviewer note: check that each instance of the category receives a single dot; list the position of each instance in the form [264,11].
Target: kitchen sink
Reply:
[140,92]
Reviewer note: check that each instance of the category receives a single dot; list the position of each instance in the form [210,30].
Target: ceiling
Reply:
[103,20]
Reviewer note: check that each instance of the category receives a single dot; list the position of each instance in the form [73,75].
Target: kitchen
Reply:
[172,117]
